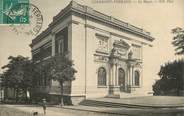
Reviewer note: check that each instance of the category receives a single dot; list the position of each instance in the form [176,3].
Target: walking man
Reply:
[44,105]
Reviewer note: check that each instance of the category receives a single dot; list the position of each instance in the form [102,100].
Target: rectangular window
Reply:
[61,46]
[36,55]
[61,41]
[43,52]
[47,52]
[136,51]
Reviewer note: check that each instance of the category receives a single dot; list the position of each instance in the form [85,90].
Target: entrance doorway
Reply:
[121,76]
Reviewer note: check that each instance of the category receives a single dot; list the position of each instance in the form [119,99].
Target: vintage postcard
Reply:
[92,57]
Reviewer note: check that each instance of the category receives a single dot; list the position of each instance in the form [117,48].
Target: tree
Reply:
[170,78]
[18,74]
[61,69]
[178,40]
[178,43]
[172,74]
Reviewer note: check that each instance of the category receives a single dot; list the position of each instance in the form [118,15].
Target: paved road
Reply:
[107,111]
[95,111]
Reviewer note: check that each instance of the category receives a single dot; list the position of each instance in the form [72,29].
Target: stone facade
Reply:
[107,52]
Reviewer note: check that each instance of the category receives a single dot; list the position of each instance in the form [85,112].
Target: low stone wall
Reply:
[77,99]
[6,111]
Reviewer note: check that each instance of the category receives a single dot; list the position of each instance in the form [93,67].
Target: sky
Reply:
[157,18]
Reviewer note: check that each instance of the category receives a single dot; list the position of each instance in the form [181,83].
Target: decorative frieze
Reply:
[101,58]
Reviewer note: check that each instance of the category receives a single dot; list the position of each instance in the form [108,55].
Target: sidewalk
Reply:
[64,111]
[38,109]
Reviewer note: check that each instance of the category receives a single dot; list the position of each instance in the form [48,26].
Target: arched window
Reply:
[137,78]
[121,76]
[101,76]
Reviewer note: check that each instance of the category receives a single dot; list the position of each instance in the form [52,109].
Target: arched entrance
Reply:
[121,76]
[137,78]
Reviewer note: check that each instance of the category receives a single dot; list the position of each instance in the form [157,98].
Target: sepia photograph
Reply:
[91,58]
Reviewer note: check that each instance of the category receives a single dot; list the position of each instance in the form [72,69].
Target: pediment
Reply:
[120,48]
[121,43]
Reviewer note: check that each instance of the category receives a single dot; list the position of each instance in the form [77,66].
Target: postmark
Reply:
[35,23]
[14,12]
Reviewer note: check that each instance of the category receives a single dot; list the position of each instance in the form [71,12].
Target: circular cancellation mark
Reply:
[35,23]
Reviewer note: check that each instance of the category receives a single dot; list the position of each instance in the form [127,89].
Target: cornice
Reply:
[91,13]
[73,7]
[40,36]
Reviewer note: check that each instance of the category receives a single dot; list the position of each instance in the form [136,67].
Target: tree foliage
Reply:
[170,78]
[18,74]
[61,69]
[171,74]
[178,40]
[58,68]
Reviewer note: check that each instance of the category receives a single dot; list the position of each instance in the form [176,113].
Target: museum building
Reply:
[107,53]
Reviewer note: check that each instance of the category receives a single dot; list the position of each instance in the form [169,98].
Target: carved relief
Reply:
[102,43]
[138,65]
[100,58]
[120,48]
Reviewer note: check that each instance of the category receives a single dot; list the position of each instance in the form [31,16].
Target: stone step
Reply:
[151,102]
[94,103]
[117,96]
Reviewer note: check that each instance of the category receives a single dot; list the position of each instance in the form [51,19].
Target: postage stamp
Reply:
[14,11]
[35,23]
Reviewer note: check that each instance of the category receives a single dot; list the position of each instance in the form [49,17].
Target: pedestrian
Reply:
[44,106]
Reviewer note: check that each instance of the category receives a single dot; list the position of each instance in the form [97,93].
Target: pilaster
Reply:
[117,79]
[113,84]
[53,43]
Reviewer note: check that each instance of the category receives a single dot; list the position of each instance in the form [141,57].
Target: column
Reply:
[111,79]
[129,81]
[117,87]
[53,43]
[53,54]
[130,77]
[70,34]
[112,75]
[114,79]
[133,79]
[2,94]
[117,79]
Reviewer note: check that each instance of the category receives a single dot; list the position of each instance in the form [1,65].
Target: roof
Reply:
[91,13]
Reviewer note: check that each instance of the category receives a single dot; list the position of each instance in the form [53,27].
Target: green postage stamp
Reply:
[14,11]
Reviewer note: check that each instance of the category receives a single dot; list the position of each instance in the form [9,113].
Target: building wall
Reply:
[78,55]
[83,49]
[55,87]
[93,90]
[77,43]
